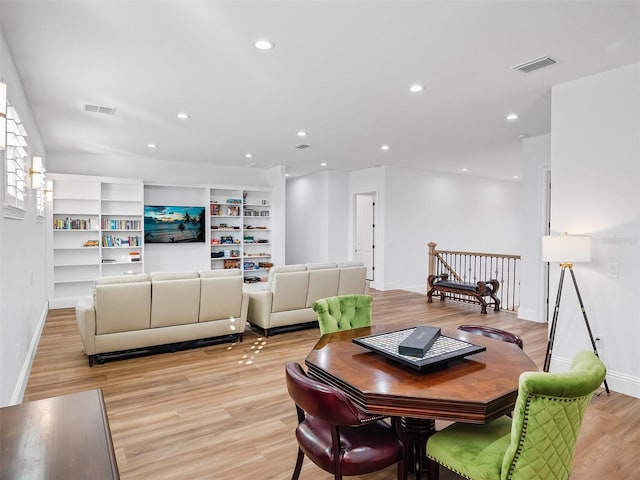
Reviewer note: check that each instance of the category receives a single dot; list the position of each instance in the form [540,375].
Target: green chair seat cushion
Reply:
[472,451]
[343,312]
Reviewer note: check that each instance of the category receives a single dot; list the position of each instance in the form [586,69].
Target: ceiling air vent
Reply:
[99,109]
[302,146]
[535,64]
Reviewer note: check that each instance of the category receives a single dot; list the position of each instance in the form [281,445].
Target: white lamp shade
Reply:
[566,248]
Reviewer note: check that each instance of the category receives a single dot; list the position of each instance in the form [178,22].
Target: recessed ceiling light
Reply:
[384,147]
[286,174]
[523,135]
[464,169]
[512,116]
[252,164]
[248,155]
[183,115]
[302,133]
[516,177]
[152,145]
[323,164]
[416,87]
[264,44]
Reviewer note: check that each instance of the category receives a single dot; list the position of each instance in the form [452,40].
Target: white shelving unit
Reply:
[241,231]
[97,230]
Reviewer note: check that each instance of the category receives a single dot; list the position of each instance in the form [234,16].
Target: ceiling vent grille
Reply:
[99,109]
[535,64]
[302,146]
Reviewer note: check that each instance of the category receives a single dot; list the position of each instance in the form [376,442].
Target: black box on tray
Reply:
[418,343]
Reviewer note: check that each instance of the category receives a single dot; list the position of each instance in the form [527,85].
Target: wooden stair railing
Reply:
[471,267]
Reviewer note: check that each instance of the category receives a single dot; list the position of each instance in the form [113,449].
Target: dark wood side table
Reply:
[57,438]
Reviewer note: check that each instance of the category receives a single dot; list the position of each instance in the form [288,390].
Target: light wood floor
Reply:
[222,412]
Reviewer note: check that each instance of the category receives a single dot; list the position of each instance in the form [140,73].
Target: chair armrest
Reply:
[86,319]
[260,308]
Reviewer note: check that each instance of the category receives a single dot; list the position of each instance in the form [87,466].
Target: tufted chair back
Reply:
[343,312]
[547,418]
[540,440]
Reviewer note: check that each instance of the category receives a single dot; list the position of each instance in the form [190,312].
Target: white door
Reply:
[364,235]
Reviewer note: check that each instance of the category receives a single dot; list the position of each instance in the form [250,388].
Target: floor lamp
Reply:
[567,250]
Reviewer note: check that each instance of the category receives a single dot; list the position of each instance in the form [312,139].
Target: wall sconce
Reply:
[3,115]
[48,191]
[37,173]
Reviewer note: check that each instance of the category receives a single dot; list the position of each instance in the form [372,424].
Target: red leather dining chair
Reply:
[335,434]
[494,333]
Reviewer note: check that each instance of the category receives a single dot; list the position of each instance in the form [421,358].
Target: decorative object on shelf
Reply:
[90,243]
[232,264]
[567,250]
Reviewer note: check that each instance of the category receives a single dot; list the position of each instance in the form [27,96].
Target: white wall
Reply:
[535,167]
[317,209]
[23,260]
[457,212]
[595,162]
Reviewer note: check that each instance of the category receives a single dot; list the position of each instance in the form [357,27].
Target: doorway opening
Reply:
[365,232]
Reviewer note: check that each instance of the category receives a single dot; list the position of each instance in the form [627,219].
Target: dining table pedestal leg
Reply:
[414,433]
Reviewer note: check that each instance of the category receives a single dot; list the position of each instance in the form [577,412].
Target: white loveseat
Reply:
[292,289]
[133,312]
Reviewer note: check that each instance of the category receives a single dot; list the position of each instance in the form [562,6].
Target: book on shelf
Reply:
[134,256]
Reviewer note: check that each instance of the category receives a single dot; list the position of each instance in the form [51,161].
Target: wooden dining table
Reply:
[474,389]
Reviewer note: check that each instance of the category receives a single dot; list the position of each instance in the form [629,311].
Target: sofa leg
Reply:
[91,360]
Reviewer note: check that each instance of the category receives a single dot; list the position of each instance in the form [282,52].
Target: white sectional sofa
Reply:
[133,312]
[292,289]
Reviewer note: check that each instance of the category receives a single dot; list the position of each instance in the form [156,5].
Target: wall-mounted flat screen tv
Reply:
[172,224]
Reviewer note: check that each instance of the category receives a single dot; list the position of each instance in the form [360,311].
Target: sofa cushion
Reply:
[321,266]
[352,280]
[323,283]
[222,272]
[123,306]
[350,264]
[162,276]
[284,269]
[220,298]
[175,298]
[134,278]
[290,291]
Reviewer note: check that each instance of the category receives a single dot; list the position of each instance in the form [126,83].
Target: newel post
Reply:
[432,258]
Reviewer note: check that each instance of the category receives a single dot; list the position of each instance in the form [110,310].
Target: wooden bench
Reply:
[478,291]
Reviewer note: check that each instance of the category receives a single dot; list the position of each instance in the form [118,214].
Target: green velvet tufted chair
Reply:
[539,442]
[343,312]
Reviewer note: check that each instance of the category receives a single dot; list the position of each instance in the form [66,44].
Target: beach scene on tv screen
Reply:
[171,224]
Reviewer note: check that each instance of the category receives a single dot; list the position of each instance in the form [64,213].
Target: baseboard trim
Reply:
[23,378]
[618,382]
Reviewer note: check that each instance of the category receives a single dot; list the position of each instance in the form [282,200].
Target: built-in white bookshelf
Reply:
[97,231]
[241,231]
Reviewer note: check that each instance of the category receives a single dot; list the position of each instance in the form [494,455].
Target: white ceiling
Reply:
[340,70]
